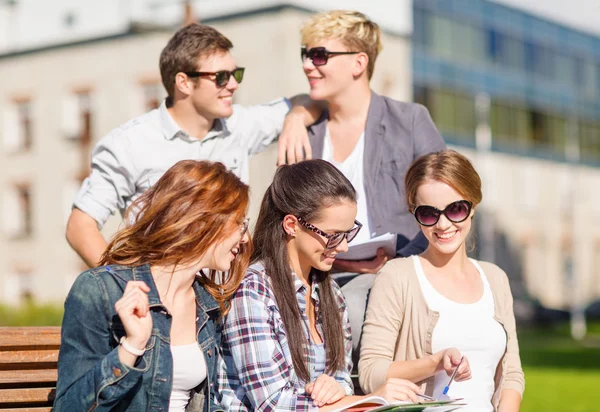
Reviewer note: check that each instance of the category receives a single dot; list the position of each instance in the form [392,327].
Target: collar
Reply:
[300,287]
[172,130]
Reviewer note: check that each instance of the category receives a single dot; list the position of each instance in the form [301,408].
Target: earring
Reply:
[292,234]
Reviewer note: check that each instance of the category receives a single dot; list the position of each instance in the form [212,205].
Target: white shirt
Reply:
[189,371]
[472,329]
[132,157]
[353,169]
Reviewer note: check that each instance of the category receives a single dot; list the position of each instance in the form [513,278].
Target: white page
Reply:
[368,249]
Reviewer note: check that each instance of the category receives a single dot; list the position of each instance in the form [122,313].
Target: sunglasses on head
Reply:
[455,212]
[319,55]
[334,239]
[221,77]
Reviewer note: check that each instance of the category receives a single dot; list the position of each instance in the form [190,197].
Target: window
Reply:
[18,216]
[18,285]
[17,125]
[153,95]
[77,117]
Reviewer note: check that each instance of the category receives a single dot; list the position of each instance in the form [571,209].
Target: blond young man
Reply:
[198,121]
[372,139]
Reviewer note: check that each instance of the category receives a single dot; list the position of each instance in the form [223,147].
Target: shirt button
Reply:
[435,315]
[429,335]
[116,371]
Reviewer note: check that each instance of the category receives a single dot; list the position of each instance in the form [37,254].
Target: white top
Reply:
[472,329]
[132,157]
[353,169]
[189,370]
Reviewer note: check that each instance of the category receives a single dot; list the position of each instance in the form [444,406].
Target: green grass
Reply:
[560,374]
[31,314]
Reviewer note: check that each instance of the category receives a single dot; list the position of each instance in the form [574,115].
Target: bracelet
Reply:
[131,349]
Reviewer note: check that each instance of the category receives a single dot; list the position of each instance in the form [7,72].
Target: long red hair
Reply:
[194,205]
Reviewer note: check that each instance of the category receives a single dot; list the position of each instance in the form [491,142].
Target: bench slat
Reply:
[31,395]
[29,336]
[28,376]
[28,356]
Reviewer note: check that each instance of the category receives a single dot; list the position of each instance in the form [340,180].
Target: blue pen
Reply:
[447,388]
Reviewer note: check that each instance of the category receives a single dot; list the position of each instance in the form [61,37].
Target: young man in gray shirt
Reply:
[198,120]
[372,139]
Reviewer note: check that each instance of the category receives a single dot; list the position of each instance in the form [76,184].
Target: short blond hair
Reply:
[353,28]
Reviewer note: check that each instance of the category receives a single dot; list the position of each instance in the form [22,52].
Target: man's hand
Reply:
[363,266]
[293,145]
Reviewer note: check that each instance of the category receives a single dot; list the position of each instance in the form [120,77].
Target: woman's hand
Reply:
[134,311]
[325,390]
[450,360]
[395,389]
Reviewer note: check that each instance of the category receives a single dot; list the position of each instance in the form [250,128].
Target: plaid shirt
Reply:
[256,371]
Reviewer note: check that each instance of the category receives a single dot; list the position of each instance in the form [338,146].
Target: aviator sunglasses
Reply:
[222,76]
[334,239]
[455,212]
[320,55]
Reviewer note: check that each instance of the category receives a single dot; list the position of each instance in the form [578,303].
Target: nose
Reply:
[343,246]
[443,223]
[307,65]
[232,84]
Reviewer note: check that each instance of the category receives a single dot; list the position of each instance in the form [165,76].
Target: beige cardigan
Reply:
[399,326]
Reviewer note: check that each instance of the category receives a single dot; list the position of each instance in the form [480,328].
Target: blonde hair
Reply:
[353,28]
[447,166]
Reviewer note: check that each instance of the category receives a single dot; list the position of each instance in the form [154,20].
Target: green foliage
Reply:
[560,374]
[31,314]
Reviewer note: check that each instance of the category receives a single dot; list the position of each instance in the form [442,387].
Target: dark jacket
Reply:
[90,375]
[395,135]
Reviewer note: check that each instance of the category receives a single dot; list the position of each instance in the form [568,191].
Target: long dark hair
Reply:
[303,189]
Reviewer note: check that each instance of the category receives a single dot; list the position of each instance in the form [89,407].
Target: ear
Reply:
[184,84]
[290,225]
[360,64]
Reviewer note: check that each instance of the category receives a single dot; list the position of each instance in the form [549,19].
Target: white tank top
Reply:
[353,169]
[189,370]
[472,329]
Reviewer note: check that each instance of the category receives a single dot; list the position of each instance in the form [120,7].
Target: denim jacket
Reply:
[90,375]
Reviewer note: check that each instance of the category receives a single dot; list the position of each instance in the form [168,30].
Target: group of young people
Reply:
[183,311]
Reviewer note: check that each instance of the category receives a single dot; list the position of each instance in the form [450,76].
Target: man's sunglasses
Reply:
[319,55]
[222,76]
[455,212]
[334,239]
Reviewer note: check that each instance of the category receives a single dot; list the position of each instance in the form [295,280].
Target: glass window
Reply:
[439,32]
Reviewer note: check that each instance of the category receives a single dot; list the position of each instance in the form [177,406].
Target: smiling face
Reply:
[445,237]
[209,100]
[328,81]
[223,252]
[309,246]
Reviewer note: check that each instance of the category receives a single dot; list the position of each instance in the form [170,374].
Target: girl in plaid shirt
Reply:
[286,341]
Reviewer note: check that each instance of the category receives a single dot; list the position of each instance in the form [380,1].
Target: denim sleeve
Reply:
[90,374]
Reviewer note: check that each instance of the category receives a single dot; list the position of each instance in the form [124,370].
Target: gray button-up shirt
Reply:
[131,158]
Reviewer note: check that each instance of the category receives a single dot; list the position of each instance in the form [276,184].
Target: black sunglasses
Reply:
[319,55]
[222,76]
[455,212]
[334,239]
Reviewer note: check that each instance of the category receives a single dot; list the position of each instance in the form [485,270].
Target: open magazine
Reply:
[368,249]
[378,404]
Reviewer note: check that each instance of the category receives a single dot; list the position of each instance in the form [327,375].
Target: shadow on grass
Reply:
[554,348]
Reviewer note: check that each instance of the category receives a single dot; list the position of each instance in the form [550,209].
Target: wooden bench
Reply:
[28,362]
